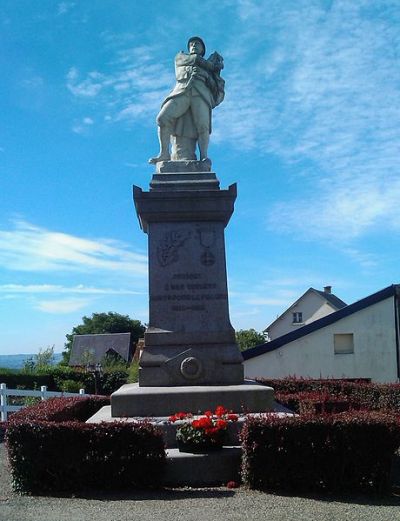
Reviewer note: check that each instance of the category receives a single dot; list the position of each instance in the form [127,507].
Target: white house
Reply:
[358,341]
[311,306]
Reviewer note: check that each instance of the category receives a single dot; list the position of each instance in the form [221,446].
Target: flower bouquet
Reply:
[203,433]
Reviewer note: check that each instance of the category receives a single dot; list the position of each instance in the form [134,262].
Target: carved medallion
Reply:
[191,368]
[207,240]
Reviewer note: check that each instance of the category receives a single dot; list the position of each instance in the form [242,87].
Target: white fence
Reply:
[43,394]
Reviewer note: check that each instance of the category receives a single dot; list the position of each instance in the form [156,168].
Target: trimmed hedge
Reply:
[77,409]
[361,394]
[346,452]
[315,402]
[51,449]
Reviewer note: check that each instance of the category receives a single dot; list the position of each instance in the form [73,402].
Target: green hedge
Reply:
[52,450]
[347,452]
[62,378]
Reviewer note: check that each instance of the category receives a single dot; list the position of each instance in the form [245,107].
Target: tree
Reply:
[42,361]
[103,323]
[247,338]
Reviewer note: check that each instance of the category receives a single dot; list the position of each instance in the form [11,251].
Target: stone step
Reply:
[132,400]
[202,470]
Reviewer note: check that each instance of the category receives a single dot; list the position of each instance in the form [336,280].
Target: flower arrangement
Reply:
[204,432]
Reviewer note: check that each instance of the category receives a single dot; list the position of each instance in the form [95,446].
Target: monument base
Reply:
[202,364]
[132,400]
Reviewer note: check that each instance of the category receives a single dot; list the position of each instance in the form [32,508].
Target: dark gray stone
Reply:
[134,400]
[91,349]
[189,340]
[202,470]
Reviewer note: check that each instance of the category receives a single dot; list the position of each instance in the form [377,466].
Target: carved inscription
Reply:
[187,292]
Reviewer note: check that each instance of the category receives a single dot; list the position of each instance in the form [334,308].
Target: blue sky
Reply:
[309,129]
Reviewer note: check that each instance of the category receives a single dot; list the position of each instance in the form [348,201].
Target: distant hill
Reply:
[17,361]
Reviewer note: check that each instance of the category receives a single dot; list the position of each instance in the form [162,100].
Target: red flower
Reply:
[205,423]
[233,417]
[208,414]
[220,411]
[222,424]
[178,416]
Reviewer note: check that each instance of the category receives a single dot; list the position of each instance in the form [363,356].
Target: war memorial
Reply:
[190,361]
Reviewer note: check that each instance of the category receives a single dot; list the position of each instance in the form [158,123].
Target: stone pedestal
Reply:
[189,340]
[132,400]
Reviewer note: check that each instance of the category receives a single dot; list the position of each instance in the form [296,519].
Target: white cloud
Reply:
[81,127]
[311,83]
[133,90]
[62,306]
[58,289]
[323,97]
[364,259]
[64,7]
[29,248]
[87,88]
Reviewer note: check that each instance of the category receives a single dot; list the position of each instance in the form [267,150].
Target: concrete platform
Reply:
[195,470]
[131,400]
[202,470]
[169,429]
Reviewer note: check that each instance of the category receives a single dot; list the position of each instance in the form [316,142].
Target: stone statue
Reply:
[185,116]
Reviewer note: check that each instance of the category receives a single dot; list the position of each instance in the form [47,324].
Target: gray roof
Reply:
[335,301]
[98,345]
[390,291]
[331,298]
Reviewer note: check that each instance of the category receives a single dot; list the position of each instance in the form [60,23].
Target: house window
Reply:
[297,317]
[343,343]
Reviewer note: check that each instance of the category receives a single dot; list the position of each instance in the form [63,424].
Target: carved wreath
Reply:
[167,250]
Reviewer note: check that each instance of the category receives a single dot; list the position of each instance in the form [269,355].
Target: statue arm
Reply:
[182,59]
[206,64]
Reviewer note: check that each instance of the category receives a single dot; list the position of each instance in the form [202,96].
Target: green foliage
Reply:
[40,362]
[71,386]
[247,338]
[113,362]
[67,379]
[100,323]
[111,381]
[133,372]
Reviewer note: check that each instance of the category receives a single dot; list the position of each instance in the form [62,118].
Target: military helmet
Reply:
[199,40]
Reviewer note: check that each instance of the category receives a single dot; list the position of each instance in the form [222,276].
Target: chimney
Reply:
[327,289]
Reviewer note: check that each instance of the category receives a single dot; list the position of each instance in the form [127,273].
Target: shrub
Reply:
[315,402]
[54,379]
[110,381]
[61,410]
[332,453]
[133,375]
[360,393]
[51,450]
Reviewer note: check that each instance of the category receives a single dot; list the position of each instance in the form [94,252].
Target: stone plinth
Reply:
[134,400]
[202,470]
[189,340]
